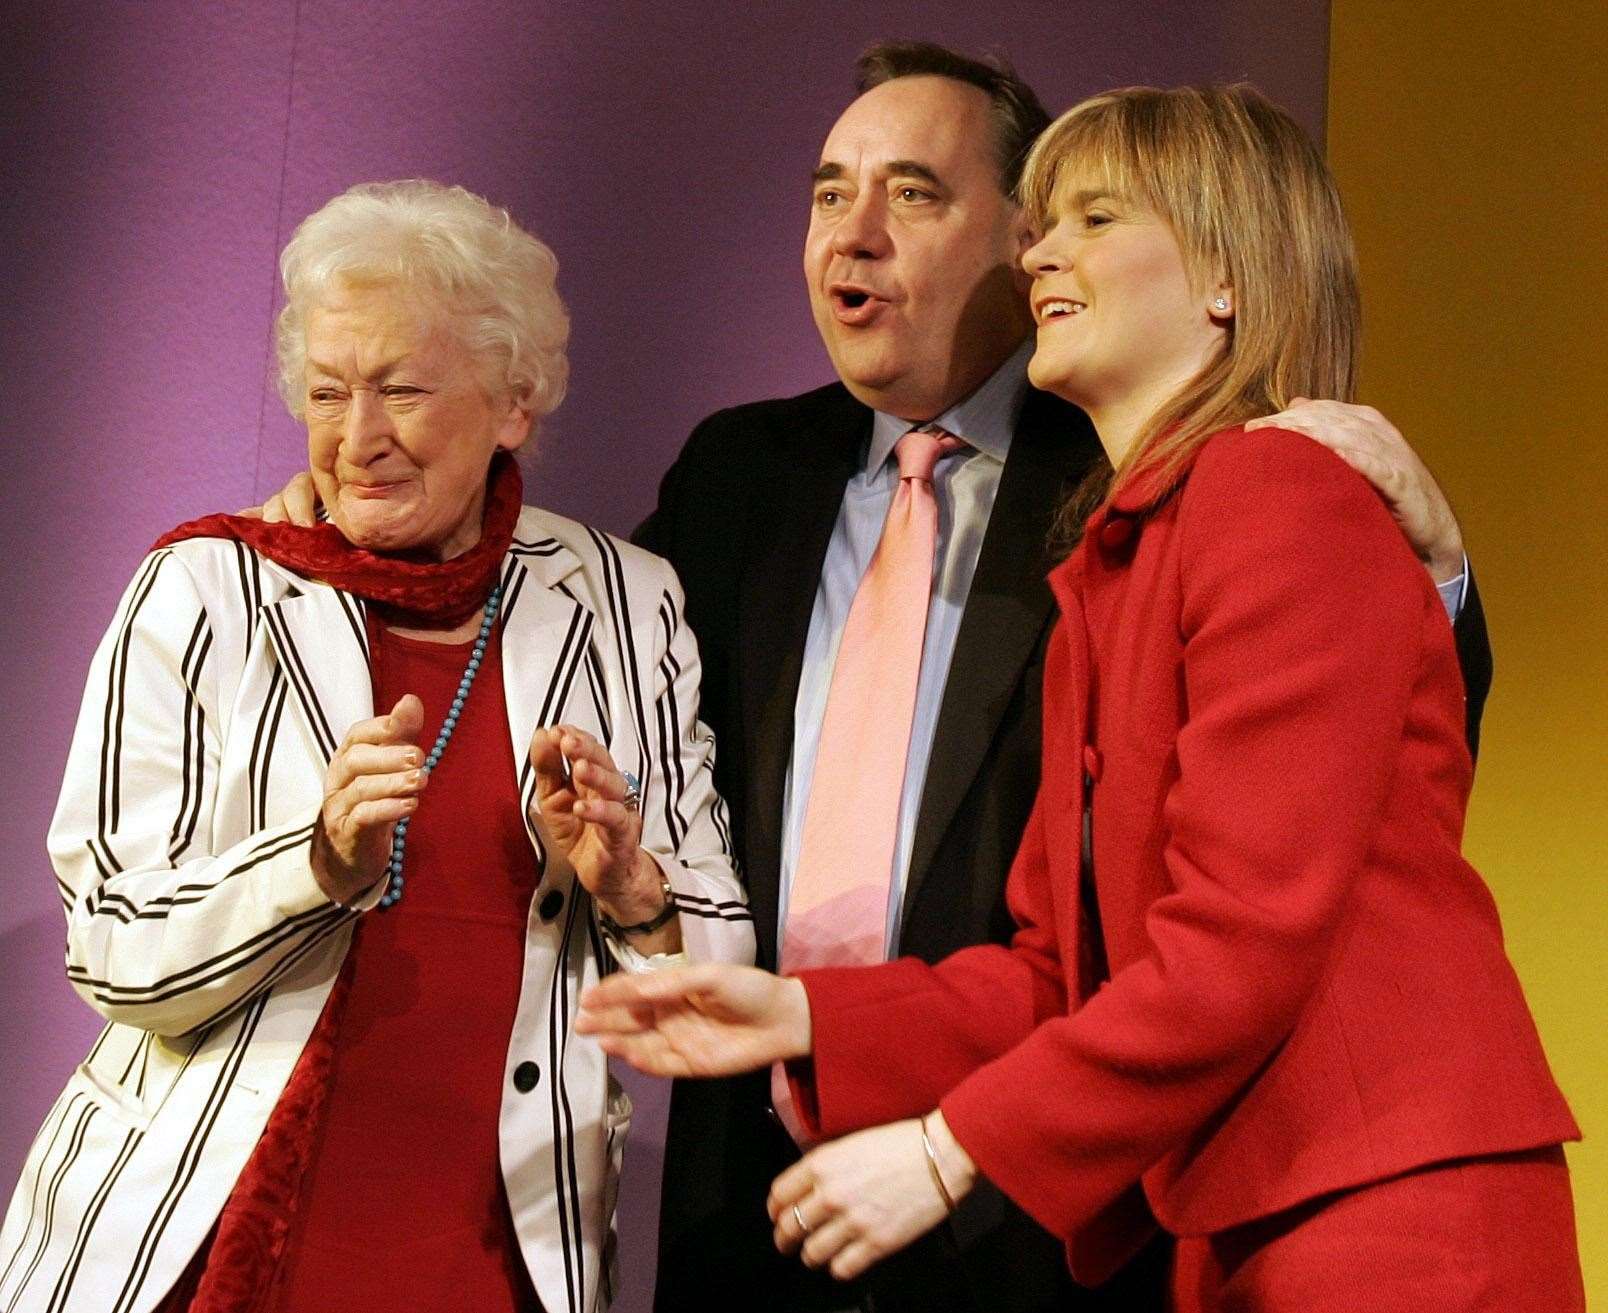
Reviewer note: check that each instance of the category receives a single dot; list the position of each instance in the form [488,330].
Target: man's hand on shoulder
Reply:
[295,502]
[1371,445]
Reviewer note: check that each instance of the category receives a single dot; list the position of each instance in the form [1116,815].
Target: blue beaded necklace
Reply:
[399,838]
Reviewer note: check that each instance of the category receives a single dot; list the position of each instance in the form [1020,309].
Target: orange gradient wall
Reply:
[1470,142]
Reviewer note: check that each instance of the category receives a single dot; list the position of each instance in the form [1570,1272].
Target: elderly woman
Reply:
[352,816]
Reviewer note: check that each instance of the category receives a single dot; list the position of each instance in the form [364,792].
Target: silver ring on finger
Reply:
[799,1218]
[633,792]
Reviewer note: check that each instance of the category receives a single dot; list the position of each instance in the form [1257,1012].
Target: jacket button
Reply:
[1116,531]
[552,902]
[1092,762]
[526,1074]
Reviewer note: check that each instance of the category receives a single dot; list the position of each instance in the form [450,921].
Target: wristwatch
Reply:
[660,918]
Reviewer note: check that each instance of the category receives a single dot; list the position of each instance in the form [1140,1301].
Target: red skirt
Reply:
[1496,1235]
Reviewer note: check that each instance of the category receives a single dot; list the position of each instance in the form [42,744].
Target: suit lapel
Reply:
[1007,611]
[318,639]
[545,637]
[777,596]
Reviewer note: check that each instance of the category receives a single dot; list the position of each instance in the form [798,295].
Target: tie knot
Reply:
[920,450]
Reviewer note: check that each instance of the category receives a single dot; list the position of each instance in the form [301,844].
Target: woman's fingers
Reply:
[401,725]
[795,1224]
[628,1020]
[826,1239]
[369,759]
[615,817]
[547,756]
[591,766]
[381,811]
[370,788]
[567,759]
[648,1052]
[377,760]
[604,782]
[853,1259]
[405,720]
[621,989]
[790,1187]
[372,782]
[578,745]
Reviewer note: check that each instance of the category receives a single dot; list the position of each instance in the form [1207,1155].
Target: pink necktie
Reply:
[837,907]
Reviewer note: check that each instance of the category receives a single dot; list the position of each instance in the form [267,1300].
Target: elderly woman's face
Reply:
[400,426]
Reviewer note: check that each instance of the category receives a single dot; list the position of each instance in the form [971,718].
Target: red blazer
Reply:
[1256,684]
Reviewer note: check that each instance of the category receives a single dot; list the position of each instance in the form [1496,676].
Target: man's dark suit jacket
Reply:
[745,515]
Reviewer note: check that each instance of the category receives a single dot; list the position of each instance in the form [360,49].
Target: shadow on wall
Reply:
[38,1059]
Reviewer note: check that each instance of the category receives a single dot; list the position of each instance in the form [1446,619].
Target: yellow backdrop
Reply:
[1471,145]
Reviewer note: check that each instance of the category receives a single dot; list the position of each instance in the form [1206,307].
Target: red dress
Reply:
[377,1181]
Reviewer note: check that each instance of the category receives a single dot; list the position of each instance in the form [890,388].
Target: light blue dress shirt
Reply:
[1454,592]
[964,484]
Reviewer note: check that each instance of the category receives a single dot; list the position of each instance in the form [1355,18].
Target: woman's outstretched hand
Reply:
[710,1020]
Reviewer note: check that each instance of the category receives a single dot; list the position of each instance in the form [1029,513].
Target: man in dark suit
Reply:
[770,515]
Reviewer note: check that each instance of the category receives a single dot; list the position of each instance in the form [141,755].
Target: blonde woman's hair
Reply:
[454,251]
[1252,204]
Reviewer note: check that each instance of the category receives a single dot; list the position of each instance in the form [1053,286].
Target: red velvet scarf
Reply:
[410,587]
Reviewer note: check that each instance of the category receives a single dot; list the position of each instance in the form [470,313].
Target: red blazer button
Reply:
[1092,761]
[1116,531]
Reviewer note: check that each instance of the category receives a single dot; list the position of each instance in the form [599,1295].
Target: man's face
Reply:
[913,249]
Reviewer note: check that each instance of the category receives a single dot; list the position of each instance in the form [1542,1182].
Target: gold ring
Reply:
[799,1218]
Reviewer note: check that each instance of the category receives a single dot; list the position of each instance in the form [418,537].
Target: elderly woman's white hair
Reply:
[457,252]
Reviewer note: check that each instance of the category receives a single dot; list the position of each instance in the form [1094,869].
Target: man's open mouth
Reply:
[855,305]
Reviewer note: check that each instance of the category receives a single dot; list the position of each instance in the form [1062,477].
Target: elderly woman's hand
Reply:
[373,781]
[581,803]
[852,1202]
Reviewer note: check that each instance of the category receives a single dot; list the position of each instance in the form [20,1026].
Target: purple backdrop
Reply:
[159,156]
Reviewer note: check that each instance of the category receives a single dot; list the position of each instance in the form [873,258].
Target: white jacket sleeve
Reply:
[685,825]
[161,933]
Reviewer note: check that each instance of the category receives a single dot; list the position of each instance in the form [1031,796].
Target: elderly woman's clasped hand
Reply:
[373,781]
[590,811]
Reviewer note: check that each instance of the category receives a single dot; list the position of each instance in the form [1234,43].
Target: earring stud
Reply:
[1221,303]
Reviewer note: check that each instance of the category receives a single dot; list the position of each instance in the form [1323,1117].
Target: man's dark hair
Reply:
[1019,117]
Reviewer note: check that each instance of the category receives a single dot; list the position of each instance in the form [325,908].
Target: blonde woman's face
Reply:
[1120,327]
[400,427]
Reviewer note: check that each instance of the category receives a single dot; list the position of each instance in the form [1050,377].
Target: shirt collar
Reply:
[984,420]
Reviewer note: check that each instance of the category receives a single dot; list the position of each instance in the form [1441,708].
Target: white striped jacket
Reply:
[180,844]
